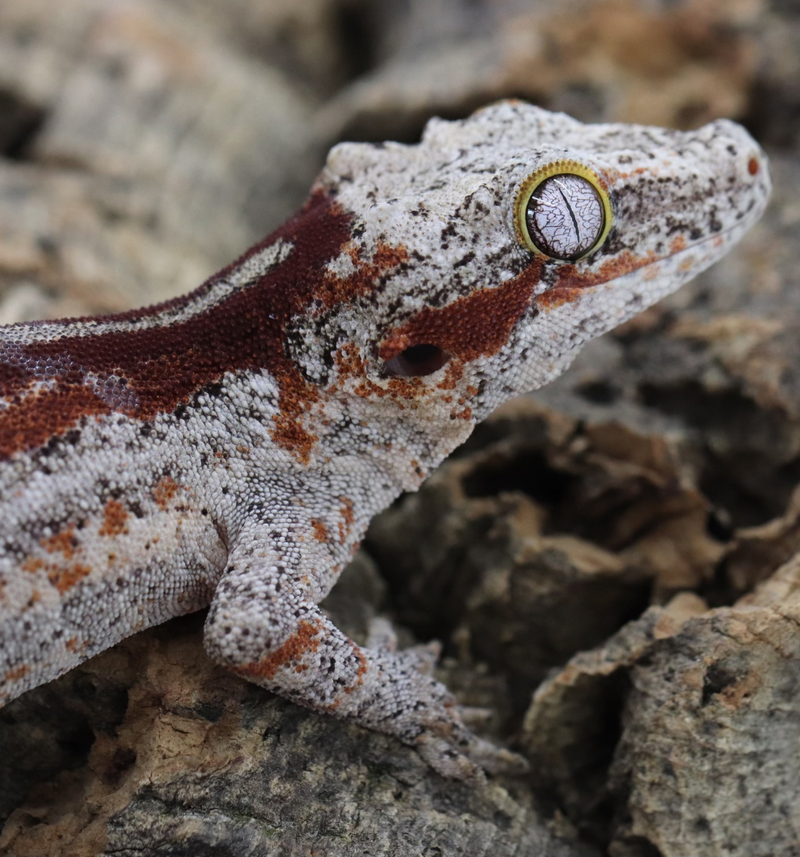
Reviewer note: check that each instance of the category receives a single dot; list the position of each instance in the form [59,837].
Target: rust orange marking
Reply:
[360,672]
[296,397]
[166,488]
[62,577]
[452,375]
[362,668]
[348,518]
[556,297]
[16,673]
[333,290]
[351,365]
[114,518]
[677,244]
[72,644]
[752,166]
[625,263]
[305,640]
[320,530]
[570,284]
[34,419]
[35,598]
[63,542]
[65,578]
[33,564]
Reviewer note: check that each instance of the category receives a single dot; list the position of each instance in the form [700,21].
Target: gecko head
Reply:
[500,244]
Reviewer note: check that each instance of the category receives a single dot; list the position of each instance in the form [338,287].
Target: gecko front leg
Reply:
[265,626]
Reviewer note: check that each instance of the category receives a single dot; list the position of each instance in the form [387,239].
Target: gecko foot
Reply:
[445,742]
[381,637]
[468,763]
[316,665]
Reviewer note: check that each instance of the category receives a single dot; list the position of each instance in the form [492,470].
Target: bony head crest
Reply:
[563,211]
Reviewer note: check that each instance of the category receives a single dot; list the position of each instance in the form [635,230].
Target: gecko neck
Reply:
[143,363]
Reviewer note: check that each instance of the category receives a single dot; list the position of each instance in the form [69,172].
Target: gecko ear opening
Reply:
[417,360]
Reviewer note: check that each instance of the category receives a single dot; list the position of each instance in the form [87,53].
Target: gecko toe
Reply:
[455,752]
[381,635]
[423,657]
[496,760]
[447,761]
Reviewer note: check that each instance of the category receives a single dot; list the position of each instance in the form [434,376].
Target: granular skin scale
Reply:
[228,448]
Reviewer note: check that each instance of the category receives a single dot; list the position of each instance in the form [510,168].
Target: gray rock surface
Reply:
[160,153]
[182,758]
[705,763]
[701,760]
[661,63]
[545,540]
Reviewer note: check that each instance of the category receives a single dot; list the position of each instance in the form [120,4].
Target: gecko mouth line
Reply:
[724,239]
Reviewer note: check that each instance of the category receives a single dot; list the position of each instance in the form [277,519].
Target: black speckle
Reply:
[598,392]
[716,679]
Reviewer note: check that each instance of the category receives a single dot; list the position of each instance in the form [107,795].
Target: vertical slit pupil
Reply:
[565,216]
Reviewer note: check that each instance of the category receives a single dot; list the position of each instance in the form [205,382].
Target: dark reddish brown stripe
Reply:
[473,326]
[164,366]
[570,285]
[624,263]
[36,419]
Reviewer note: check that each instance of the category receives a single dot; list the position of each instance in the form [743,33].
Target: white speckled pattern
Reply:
[230,447]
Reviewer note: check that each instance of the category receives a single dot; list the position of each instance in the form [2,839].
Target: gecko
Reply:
[227,449]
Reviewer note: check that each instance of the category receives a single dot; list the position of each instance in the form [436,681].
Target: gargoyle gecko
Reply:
[228,448]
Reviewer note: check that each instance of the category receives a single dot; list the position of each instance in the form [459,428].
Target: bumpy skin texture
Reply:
[230,447]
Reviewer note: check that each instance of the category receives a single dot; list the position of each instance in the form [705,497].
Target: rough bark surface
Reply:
[612,564]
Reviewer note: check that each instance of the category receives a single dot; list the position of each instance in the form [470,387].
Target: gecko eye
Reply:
[417,360]
[563,211]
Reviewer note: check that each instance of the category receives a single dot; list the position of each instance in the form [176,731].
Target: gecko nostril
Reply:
[417,360]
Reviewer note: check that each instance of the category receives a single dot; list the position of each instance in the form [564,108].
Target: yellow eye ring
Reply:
[563,211]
